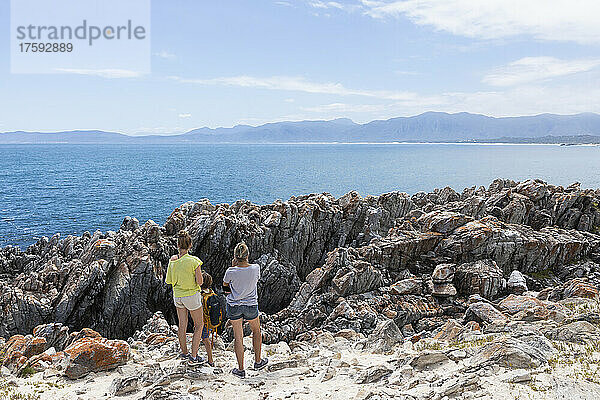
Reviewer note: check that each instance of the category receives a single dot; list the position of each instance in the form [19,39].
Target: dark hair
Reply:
[241,252]
[184,240]
[206,280]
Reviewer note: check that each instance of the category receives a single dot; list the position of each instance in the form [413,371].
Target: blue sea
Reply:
[69,189]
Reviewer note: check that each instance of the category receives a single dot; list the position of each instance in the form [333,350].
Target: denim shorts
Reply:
[246,312]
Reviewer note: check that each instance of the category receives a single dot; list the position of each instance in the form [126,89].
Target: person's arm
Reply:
[198,273]
[226,287]
[169,277]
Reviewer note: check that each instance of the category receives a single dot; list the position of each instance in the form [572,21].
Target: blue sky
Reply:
[222,63]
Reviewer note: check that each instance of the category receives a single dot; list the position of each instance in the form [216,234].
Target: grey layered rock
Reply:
[124,385]
[516,283]
[481,277]
[443,273]
[277,285]
[428,360]
[385,337]
[407,286]
[373,374]
[509,353]
[575,332]
[484,313]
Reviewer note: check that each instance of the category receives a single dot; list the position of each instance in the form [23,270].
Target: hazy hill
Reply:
[426,127]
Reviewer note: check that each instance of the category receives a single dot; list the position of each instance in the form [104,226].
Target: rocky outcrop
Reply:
[327,263]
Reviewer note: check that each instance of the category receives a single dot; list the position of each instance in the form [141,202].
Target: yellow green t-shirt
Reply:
[181,274]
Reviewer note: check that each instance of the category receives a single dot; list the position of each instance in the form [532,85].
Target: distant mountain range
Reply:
[426,127]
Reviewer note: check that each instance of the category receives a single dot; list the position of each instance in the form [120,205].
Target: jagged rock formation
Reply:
[327,263]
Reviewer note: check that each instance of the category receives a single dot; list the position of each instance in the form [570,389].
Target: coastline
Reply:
[393,296]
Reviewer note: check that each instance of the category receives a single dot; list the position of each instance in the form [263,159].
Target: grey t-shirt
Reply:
[242,281]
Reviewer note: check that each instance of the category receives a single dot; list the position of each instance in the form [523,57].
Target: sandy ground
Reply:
[332,369]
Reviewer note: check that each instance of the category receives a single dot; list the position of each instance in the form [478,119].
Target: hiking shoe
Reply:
[195,361]
[212,364]
[261,364]
[183,356]
[238,373]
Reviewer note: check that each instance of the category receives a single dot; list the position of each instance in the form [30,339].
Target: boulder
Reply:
[514,303]
[443,221]
[534,189]
[450,331]
[516,283]
[579,287]
[407,286]
[443,290]
[385,337]
[121,386]
[18,348]
[484,313]
[317,253]
[443,273]
[575,332]
[373,374]
[95,354]
[429,359]
[56,334]
[510,353]
[482,277]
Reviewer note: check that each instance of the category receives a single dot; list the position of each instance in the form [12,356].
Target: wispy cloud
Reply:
[165,55]
[103,73]
[285,4]
[531,69]
[298,84]
[556,20]
[513,101]
[334,5]
[187,115]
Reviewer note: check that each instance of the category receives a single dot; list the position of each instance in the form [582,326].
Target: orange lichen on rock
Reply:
[34,346]
[157,338]
[580,288]
[90,355]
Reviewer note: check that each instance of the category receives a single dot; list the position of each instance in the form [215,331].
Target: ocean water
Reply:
[69,189]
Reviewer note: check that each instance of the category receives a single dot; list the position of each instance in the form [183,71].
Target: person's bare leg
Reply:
[208,347]
[182,316]
[256,338]
[238,342]
[198,317]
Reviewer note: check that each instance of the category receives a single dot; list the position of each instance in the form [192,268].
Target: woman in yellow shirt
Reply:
[185,274]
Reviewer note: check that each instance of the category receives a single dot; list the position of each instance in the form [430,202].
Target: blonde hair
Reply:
[241,252]
[184,240]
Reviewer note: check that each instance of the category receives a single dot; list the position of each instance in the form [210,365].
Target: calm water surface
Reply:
[69,189]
